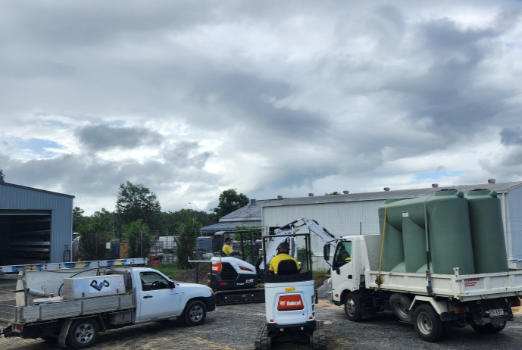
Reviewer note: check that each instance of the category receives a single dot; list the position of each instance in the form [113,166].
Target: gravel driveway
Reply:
[235,327]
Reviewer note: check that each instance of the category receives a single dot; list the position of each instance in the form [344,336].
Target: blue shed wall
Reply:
[16,198]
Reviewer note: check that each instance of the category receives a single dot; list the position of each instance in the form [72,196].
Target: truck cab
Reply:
[352,255]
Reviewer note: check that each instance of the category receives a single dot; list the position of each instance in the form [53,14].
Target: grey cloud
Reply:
[511,136]
[103,137]
[89,178]
[186,154]
[321,117]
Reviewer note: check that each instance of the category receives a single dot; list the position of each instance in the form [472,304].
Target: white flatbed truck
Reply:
[40,310]
[429,301]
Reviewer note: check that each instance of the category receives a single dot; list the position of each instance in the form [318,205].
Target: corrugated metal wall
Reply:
[341,219]
[16,198]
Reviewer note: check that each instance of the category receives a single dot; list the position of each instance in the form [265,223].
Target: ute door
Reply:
[159,297]
[342,267]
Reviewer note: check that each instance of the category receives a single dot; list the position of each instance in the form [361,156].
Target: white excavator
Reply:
[290,296]
[236,281]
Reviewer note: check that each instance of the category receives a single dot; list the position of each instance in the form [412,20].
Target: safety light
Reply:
[460,309]
[216,268]
[290,302]
[244,268]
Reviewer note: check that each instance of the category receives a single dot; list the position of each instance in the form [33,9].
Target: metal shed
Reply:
[35,225]
[356,213]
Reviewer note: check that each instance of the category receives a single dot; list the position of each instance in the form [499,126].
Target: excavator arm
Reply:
[295,227]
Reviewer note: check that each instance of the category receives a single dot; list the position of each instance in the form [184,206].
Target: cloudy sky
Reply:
[272,97]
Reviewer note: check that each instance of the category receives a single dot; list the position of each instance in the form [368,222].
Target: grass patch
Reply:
[319,277]
[171,270]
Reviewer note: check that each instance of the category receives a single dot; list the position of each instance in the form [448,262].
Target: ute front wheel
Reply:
[195,313]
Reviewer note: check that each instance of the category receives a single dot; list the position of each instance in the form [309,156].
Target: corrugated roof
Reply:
[35,189]
[248,212]
[230,225]
[369,196]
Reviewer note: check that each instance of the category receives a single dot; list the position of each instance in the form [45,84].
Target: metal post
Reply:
[197,272]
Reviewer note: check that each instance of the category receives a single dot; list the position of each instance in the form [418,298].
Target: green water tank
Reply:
[450,233]
[414,244]
[404,218]
[487,231]
[393,253]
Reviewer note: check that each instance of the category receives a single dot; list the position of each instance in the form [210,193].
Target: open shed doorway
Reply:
[25,237]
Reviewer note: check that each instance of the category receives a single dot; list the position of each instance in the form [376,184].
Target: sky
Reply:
[190,98]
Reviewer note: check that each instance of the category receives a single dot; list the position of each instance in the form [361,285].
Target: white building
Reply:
[352,214]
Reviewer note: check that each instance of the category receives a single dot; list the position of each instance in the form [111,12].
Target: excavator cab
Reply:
[234,279]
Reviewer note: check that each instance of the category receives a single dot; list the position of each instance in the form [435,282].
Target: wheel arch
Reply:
[439,306]
[344,294]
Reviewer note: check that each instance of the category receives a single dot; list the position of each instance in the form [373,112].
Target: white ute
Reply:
[74,305]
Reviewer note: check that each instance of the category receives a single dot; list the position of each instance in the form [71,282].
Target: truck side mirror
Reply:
[172,285]
[326,252]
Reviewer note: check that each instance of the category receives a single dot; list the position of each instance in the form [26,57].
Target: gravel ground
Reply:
[235,327]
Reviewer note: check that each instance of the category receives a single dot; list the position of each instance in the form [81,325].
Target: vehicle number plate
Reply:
[496,312]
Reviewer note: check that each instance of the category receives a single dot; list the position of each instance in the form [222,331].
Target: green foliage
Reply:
[188,230]
[78,218]
[170,270]
[170,220]
[137,233]
[2,176]
[94,233]
[137,202]
[251,251]
[301,256]
[229,201]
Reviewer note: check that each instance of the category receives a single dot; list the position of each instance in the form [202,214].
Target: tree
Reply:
[78,218]
[187,228]
[137,234]
[137,202]
[2,177]
[229,201]
[170,220]
[94,233]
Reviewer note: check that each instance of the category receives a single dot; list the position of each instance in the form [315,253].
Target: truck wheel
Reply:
[353,307]
[83,333]
[489,328]
[195,313]
[400,305]
[427,323]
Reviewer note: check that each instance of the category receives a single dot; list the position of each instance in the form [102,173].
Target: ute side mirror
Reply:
[172,285]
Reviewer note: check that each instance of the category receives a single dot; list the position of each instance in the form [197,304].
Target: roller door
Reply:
[25,237]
